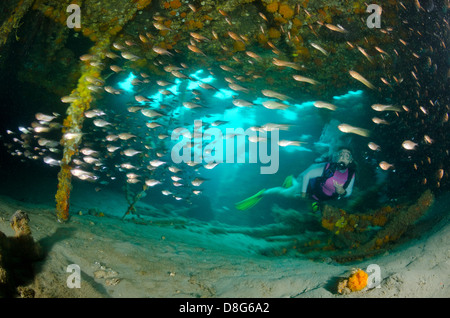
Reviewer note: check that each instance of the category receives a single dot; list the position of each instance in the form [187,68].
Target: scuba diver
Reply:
[321,182]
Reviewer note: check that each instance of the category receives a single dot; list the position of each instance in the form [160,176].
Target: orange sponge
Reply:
[286,11]
[272,7]
[358,280]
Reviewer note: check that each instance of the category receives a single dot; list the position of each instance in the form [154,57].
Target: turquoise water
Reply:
[206,179]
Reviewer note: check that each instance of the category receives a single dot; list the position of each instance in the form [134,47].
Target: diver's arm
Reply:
[313,171]
[349,189]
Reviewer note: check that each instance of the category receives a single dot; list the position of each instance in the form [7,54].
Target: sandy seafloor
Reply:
[183,258]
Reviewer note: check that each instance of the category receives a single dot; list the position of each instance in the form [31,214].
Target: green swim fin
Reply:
[288,182]
[250,202]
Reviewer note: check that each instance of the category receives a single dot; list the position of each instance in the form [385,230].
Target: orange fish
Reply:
[279,62]
[385,165]
[253,55]
[336,28]
[360,78]
[161,26]
[198,36]
[305,79]
[234,36]
[263,16]
[346,128]
[161,51]
[195,49]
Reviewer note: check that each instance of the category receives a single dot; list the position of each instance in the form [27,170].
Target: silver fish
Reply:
[151,113]
[320,104]
[112,148]
[152,182]
[126,136]
[130,56]
[131,152]
[101,123]
[321,49]
[270,93]
[300,78]
[382,108]
[242,103]
[237,87]
[191,105]
[346,128]
[94,113]
[43,117]
[270,104]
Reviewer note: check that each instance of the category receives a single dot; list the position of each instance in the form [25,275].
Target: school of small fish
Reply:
[139,153]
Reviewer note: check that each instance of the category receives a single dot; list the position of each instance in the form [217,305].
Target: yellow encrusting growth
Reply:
[73,124]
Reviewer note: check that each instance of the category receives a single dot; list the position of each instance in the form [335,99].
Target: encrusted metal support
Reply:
[82,99]
[14,20]
[72,127]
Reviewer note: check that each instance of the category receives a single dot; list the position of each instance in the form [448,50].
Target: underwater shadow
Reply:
[60,234]
[23,260]
[47,244]
[331,285]
[98,287]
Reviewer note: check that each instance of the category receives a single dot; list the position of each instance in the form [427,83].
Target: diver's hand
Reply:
[339,187]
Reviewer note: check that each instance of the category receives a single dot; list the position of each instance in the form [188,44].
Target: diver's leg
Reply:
[274,191]
[290,192]
[315,202]
[290,189]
